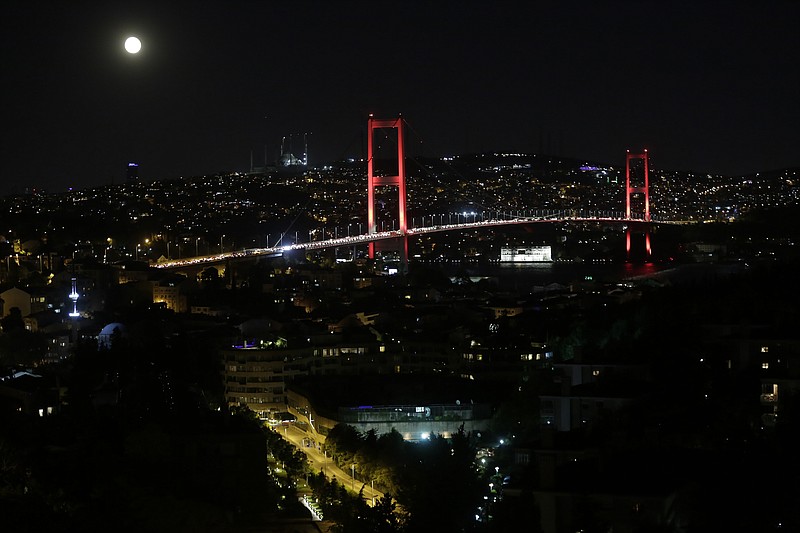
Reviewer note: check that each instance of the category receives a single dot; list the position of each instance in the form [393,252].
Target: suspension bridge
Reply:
[639,222]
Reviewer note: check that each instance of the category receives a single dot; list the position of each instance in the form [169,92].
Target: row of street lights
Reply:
[145,246]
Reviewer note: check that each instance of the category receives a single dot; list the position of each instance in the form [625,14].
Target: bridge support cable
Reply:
[452,191]
[302,210]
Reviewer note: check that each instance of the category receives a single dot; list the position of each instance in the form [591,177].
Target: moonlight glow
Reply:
[133,45]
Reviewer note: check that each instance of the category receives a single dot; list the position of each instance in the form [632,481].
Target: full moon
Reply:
[133,45]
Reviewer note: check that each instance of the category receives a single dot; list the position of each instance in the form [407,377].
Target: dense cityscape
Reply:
[237,210]
[332,389]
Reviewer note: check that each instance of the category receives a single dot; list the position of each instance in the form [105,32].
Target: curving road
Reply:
[320,462]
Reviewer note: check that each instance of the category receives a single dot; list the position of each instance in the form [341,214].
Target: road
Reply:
[320,462]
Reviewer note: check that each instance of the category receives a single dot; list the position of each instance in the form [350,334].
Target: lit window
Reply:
[765,365]
[765,349]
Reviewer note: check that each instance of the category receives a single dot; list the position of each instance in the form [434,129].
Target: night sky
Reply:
[705,86]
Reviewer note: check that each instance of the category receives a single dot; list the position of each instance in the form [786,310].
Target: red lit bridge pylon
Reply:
[640,189]
[398,180]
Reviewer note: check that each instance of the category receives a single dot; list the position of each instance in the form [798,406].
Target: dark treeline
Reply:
[436,482]
[142,443]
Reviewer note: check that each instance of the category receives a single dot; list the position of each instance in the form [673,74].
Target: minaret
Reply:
[74,297]
[74,314]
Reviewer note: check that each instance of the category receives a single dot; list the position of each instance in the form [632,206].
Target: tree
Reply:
[343,441]
[20,347]
[519,414]
[439,486]
[350,513]
[12,321]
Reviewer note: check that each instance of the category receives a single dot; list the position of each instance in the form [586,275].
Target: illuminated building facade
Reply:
[254,376]
[171,293]
[526,254]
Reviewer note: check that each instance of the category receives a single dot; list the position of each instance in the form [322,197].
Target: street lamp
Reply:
[220,242]
[353,478]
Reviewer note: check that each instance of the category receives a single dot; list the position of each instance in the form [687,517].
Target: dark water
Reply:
[524,276]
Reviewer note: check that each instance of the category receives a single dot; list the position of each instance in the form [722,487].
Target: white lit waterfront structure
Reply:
[527,254]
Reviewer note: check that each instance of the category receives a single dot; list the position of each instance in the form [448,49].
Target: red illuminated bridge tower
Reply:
[638,189]
[398,180]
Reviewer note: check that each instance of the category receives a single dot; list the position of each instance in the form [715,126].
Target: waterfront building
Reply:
[526,254]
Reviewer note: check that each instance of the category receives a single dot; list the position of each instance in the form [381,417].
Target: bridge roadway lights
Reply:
[410,232]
